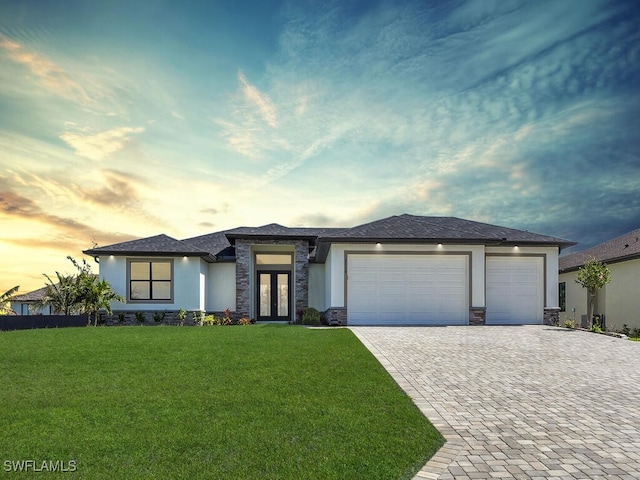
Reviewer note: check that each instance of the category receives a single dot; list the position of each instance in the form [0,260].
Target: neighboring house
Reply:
[399,270]
[23,304]
[619,301]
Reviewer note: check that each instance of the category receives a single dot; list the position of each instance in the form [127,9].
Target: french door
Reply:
[274,299]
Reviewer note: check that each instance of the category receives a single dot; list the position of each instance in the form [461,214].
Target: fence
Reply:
[25,322]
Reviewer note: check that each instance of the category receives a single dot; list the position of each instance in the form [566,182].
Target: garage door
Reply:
[515,290]
[407,289]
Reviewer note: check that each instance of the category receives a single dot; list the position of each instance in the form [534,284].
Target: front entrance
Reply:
[274,300]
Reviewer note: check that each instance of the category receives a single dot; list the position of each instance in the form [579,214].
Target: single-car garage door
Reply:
[515,290]
[386,289]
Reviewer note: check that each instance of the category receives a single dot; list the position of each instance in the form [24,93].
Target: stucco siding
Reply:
[317,286]
[186,282]
[221,287]
[623,295]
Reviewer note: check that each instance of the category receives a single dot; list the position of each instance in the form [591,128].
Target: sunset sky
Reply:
[125,119]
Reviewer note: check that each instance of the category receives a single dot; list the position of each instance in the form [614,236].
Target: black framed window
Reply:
[562,292]
[150,280]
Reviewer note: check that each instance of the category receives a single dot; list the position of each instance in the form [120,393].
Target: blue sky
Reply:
[127,119]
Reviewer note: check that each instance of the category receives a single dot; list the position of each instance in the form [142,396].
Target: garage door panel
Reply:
[407,289]
[515,290]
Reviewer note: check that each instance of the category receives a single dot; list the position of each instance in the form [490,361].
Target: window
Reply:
[273,259]
[562,291]
[150,280]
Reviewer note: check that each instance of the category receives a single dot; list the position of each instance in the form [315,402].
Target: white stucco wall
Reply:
[317,286]
[221,288]
[186,282]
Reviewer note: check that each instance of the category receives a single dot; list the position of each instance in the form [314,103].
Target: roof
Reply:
[33,296]
[400,228]
[624,247]
[156,245]
[412,227]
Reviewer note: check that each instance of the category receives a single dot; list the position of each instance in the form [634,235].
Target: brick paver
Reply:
[531,402]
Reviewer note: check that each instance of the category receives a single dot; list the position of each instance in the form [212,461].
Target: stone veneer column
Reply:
[477,315]
[243,277]
[301,276]
[551,316]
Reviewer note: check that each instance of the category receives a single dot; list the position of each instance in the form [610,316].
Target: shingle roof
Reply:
[412,227]
[215,243]
[397,228]
[276,230]
[32,296]
[156,245]
[624,247]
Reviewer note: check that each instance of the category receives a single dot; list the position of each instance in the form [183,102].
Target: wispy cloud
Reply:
[98,146]
[48,74]
[259,100]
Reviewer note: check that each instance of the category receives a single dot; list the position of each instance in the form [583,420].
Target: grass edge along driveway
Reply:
[261,401]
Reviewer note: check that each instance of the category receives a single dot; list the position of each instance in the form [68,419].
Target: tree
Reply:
[97,295]
[593,275]
[62,296]
[5,300]
[79,294]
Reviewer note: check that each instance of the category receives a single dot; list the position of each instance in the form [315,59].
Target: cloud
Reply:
[261,101]
[101,145]
[119,191]
[49,75]
[64,229]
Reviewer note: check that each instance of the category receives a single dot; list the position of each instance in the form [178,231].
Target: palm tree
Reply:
[63,297]
[5,298]
[96,296]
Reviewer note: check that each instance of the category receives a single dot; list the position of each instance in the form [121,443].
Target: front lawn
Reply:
[243,402]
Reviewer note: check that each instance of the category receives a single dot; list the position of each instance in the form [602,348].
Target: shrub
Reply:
[636,332]
[197,316]
[310,316]
[210,320]
[158,316]
[625,330]
[244,321]
[181,316]
[140,317]
[569,323]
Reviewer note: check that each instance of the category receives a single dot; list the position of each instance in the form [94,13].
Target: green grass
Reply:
[263,401]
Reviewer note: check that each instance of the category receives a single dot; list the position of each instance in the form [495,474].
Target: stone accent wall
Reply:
[477,315]
[130,317]
[243,277]
[301,276]
[336,316]
[551,316]
[300,272]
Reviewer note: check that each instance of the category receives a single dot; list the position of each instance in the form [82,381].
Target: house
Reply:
[619,301]
[23,304]
[399,270]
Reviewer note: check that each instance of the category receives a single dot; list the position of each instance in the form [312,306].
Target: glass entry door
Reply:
[273,296]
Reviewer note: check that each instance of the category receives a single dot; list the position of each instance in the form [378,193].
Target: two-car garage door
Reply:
[403,289]
[407,289]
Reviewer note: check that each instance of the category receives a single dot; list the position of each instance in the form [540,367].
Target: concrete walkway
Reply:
[519,402]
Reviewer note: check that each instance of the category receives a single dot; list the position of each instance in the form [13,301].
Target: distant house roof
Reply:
[624,247]
[402,228]
[33,296]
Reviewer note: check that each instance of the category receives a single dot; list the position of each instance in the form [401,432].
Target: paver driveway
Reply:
[520,402]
